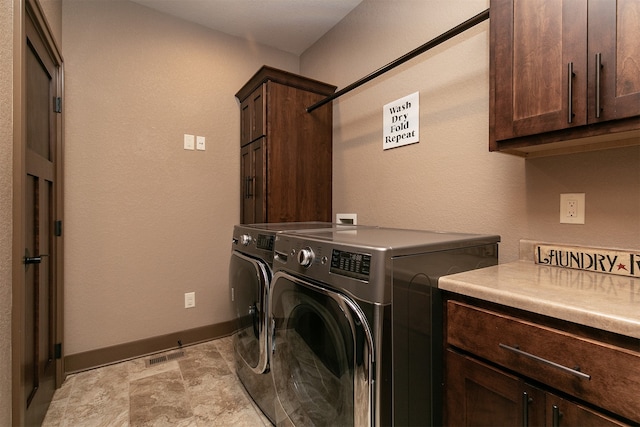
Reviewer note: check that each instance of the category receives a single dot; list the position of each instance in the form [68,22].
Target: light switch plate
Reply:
[189,142]
[189,299]
[200,143]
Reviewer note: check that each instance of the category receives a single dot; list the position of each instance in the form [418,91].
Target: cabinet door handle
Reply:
[570,75]
[574,371]
[526,400]
[247,187]
[598,74]
[555,417]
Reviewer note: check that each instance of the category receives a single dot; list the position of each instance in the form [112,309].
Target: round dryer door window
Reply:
[320,359]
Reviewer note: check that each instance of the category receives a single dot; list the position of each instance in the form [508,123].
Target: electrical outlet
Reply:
[189,299]
[572,208]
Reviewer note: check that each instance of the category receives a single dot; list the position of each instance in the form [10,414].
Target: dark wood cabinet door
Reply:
[253,182]
[539,65]
[252,116]
[613,59]
[259,181]
[564,413]
[258,113]
[245,122]
[246,174]
[480,395]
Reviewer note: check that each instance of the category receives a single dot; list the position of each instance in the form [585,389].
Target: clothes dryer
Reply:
[250,273]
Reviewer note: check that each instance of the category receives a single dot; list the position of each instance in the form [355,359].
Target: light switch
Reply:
[189,142]
[200,143]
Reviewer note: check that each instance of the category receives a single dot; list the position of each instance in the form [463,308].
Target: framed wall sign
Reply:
[401,122]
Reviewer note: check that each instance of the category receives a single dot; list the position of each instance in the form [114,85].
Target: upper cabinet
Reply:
[286,152]
[564,75]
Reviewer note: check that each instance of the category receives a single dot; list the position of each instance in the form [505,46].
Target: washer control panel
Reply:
[351,264]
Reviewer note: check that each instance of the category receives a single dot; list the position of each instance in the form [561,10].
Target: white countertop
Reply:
[602,301]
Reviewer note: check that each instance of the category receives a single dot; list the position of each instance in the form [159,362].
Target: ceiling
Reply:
[288,25]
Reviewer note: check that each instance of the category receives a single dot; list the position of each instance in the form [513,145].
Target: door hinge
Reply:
[58,351]
[58,228]
[57,104]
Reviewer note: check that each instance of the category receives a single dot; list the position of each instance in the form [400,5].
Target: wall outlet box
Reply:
[347,218]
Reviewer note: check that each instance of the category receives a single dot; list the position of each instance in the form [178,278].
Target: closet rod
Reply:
[482,16]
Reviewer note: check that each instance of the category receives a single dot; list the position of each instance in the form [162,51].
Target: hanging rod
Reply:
[482,16]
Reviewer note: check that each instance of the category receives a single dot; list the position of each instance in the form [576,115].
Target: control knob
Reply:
[245,239]
[305,257]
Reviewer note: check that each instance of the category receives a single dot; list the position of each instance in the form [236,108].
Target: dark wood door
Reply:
[540,65]
[614,59]
[480,395]
[41,195]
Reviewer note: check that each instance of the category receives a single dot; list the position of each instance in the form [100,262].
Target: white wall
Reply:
[147,221]
[450,181]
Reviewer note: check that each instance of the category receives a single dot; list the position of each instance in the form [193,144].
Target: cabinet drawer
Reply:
[599,373]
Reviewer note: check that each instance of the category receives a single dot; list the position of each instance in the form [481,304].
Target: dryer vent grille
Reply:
[156,360]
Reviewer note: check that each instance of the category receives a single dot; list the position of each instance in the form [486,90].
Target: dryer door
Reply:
[249,286]
[322,355]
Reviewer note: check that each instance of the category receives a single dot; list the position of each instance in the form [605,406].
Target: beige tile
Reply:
[99,397]
[198,390]
[222,401]
[203,363]
[159,400]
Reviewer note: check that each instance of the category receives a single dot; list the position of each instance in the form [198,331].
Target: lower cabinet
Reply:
[481,395]
[507,367]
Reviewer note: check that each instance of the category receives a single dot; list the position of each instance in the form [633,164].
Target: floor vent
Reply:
[156,360]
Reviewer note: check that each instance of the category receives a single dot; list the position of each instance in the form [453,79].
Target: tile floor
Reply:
[199,389]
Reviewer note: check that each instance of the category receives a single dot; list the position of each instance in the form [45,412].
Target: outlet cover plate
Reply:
[572,208]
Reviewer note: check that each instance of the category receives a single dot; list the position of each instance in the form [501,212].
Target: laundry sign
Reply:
[609,261]
[401,122]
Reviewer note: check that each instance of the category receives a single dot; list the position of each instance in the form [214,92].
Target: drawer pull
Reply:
[575,371]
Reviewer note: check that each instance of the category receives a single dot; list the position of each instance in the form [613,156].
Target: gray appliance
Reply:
[250,273]
[357,323]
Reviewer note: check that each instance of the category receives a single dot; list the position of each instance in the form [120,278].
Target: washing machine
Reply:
[250,273]
[357,323]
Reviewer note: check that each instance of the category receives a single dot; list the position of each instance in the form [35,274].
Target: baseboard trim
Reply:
[118,353]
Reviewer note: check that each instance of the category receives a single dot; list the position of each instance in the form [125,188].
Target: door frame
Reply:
[23,10]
